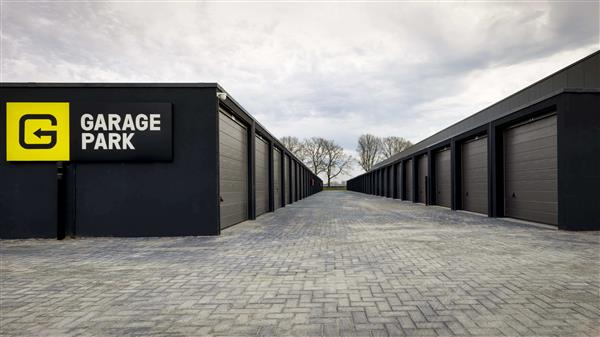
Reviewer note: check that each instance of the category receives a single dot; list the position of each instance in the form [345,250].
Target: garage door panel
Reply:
[399,182]
[531,171]
[443,184]
[533,197]
[538,164]
[541,174]
[531,143]
[233,171]
[475,176]
[287,180]
[277,178]
[533,185]
[532,154]
[293,181]
[531,212]
[262,176]
[408,180]
[535,129]
[530,136]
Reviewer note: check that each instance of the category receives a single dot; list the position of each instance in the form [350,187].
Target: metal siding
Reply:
[293,182]
[422,179]
[474,176]
[390,182]
[233,171]
[443,185]
[276,178]
[286,174]
[408,180]
[302,178]
[385,182]
[262,176]
[530,163]
[399,181]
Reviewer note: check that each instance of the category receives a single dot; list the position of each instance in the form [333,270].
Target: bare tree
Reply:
[313,154]
[293,145]
[392,145]
[369,148]
[335,160]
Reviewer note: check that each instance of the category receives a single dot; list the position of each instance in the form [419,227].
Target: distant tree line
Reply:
[325,156]
[372,149]
[320,155]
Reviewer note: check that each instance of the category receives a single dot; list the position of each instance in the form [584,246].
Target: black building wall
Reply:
[174,198]
[120,199]
[578,153]
[579,161]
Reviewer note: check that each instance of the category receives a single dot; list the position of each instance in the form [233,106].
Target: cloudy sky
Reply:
[331,69]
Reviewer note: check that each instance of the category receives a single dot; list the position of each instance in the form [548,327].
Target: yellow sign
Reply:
[37,131]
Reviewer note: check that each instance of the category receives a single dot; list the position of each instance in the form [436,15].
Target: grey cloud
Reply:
[354,67]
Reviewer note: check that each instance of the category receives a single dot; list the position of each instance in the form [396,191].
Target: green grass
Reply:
[334,188]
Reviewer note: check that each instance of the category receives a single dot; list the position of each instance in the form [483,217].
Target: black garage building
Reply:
[214,165]
[535,156]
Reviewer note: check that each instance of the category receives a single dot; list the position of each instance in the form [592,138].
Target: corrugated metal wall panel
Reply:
[475,176]
[531,171]
[287,179]
[276,178]
[422,179]
[233,171]
[408,180]
[443,178]
[262,176]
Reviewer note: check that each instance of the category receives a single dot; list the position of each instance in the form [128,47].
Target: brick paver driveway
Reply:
[337,263]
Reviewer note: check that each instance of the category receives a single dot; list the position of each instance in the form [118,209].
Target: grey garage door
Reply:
[384,182]
[293,181]
[408,180]
[277,178]
[302,182]
[262,176]
[475,175]
[390,182]
[233,171]
[530,163]
[286,178]
[399,181]
[380,182]
[422,179]
[443,186]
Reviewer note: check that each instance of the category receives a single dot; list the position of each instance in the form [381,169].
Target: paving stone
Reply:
[334,264]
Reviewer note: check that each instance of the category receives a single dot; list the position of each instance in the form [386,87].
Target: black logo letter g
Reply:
[39,133]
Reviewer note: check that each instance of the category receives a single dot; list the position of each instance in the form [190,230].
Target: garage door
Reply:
[277,178]
[262,176]
[443,186]
[408,180]
[475,175]
[373,183]
[286,178]
[379,182]
[530,163]
[390,182]
[293,182]
[384,182]
[422,179]
[233,171]
[302,183]
[399,181]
